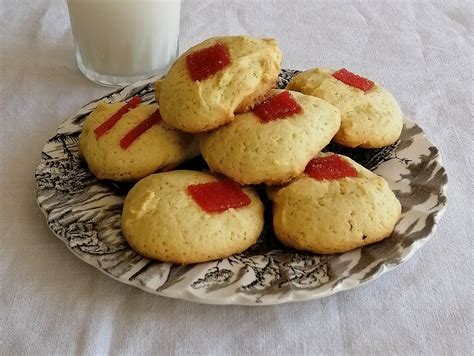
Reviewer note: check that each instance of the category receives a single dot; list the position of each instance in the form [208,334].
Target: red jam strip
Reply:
[277,107]
[138,130]
[107,125]
[353,80]
[216,197]
[205,62]
[330,167]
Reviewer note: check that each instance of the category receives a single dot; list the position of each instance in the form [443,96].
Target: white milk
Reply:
[121,40]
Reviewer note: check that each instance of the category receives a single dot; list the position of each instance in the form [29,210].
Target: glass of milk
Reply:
[121,41]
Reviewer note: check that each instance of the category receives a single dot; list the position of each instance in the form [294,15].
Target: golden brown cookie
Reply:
[137,144]
[190,217]
[370,115]
[252,151]
[216,78]
[335,206]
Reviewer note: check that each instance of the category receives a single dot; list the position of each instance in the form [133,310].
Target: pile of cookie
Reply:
[218,100]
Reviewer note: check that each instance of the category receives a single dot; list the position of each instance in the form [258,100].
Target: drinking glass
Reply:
[118,42]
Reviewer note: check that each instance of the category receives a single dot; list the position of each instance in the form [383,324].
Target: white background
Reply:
[53,303]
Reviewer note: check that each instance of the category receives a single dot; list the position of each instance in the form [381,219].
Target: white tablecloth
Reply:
[53,303]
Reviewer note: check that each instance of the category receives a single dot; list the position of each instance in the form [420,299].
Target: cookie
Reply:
[189,217]
[335,206]
[128,141]
[370,115]
[216,78]
[257,149]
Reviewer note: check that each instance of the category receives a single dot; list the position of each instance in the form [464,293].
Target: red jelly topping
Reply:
[138,130]
[216,197]
[107,125]
[205,62]
[353,80]
[330,167]
[277,107]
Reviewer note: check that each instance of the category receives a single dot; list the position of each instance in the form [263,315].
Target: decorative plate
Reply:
[85,214]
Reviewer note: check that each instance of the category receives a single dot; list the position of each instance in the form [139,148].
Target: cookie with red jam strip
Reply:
[217,78]
[335,206]
[274,142]
[370,115]
[127,141]
[189,217]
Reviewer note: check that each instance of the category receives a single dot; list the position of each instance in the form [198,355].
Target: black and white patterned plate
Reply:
[85,214]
